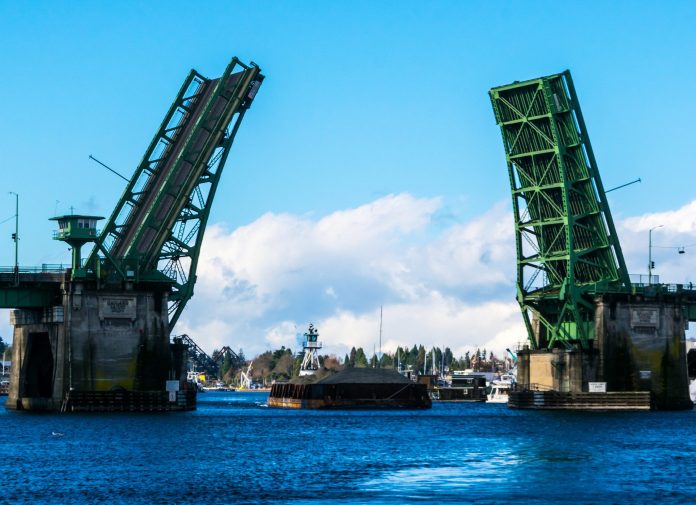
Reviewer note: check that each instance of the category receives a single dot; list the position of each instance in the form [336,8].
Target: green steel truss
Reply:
[156,230]
[567,247]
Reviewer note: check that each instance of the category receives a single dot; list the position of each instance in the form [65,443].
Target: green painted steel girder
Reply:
[157,227]
[31,288]
[27,297]
[566,242]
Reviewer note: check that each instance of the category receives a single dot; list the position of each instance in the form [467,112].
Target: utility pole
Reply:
[650,261]
[15,237]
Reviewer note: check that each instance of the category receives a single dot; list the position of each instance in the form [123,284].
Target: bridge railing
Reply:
[45,268]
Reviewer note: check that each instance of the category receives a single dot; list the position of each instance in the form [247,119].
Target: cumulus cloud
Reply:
[261,284]
[671,231]
[432,320]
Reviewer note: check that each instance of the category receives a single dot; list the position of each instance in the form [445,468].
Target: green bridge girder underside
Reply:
[30,291]
[27,298]
[566,241]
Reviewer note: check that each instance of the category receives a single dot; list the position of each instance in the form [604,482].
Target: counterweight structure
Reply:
[97,335]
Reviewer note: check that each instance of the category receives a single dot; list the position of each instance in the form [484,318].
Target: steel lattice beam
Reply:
[564,229]
[156,230]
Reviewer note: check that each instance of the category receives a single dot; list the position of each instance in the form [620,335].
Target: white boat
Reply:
[500,388]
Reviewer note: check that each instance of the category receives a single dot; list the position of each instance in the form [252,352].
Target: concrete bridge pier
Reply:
[639,346]
[99,350]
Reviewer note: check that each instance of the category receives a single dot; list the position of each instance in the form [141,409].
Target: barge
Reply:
[352,388]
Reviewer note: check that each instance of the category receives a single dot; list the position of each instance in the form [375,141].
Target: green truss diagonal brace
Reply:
[566,242]
[156,230]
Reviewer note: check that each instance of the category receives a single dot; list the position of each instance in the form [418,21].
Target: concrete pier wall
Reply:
[39,356]
[118,340]
[97,341]
[567,371]
[639,346]
[643,349]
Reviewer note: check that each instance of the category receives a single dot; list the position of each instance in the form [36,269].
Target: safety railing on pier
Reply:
[43,269]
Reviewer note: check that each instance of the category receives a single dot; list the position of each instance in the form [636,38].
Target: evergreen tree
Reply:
[351,360]
[387,361]
[346,360]
[420,359]
[449,358]
[454,364]
[226,364]
[360,358]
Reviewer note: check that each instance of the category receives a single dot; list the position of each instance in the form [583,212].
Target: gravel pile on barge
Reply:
[352,388]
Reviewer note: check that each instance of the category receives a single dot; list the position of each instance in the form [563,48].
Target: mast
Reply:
[379,364]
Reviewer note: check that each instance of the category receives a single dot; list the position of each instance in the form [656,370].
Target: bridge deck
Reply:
[31,287]
[174,171]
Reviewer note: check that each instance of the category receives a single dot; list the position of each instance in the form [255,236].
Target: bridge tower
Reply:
[582,314]
[97,336]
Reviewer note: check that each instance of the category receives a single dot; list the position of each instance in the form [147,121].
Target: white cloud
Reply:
[432,320]
[5,328]
[671,231]
[681,220]
[264,282]
[259,286]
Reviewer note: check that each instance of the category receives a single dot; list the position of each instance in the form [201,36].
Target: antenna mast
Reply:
[379,360]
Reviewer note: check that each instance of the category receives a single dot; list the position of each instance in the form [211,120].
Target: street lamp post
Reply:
[15,237]
[650,262]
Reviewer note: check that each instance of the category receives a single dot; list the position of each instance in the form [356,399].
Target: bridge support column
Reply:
[101,347]
[639,346]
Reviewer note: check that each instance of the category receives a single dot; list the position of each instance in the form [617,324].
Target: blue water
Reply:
[235,450]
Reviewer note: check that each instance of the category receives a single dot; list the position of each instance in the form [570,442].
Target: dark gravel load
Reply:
[365,376]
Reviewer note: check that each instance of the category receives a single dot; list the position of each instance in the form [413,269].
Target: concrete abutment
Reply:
[639,346]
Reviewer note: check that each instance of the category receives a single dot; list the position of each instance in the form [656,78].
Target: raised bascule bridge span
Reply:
[96,335]
[596,340]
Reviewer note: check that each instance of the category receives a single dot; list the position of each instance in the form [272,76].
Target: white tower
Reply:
[310,362]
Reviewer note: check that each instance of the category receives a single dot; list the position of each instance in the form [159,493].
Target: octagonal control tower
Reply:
[76,230]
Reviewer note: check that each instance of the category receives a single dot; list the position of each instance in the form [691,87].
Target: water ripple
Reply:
[234,450]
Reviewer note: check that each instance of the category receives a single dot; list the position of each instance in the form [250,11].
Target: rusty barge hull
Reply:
[349,396]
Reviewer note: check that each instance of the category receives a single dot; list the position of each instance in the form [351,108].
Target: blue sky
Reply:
[366,105]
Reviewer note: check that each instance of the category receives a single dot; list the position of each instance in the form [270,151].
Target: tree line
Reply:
[282,364]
